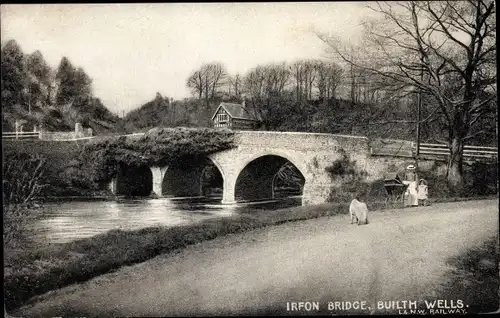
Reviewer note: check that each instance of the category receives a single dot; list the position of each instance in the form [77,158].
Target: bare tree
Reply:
[216,75]
[297,71]
[329,77]
[444,49]
[235,84]
[304,73]
[196,84]
[276,78]
[266,89]
[254,82]
[206,81]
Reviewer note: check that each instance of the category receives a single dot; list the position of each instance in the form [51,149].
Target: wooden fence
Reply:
[408,149]
[442,151]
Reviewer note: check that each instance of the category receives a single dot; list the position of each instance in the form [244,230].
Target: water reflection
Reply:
[63,222]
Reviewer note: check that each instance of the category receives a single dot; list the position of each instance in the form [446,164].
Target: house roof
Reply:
[238,111]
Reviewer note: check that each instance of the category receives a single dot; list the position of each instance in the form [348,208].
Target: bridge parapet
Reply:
[301,141]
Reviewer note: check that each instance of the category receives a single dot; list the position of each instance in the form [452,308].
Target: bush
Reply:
[350,178]
[158,147]
[15,218]
[22,177]
[63,174]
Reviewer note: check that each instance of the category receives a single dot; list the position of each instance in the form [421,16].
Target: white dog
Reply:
[358,211]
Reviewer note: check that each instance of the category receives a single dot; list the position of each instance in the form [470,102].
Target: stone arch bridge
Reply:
[248,170]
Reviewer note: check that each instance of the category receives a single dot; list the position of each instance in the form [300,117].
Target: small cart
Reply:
[395,189]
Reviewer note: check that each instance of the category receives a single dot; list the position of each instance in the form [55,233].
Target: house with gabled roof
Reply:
[235,116]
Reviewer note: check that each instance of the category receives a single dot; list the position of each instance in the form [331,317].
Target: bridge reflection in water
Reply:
[63,222]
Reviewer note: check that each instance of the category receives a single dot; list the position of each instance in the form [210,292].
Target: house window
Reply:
[222,118]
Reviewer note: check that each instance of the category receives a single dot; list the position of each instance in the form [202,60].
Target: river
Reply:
[62,222]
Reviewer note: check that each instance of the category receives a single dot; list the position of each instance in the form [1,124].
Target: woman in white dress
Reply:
[410,196]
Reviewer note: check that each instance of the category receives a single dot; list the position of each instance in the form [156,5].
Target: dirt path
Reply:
[401,255]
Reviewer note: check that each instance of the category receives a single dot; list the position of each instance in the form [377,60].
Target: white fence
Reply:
[21,135]
[43,135]
[470,152]
[54,136]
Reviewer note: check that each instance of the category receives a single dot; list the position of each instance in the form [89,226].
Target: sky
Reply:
[132,51]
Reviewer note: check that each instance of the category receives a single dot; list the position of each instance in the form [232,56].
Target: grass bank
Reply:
[473,278]
[31,272]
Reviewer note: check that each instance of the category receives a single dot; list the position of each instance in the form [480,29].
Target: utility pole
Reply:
[419,115]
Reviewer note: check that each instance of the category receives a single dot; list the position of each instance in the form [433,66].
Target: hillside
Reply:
[165,112]
[52,99]
[335,116]
[53,118]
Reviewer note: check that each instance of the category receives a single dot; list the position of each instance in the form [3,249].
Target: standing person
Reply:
[411,191]
[422,192]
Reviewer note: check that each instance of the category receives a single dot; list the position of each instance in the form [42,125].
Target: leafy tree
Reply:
[66,79]
[13,74]
[38,79]
[83,84]
[36,65]
[75,86]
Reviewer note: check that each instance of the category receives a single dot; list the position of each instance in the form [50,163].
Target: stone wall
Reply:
[65,135]
[79,132]
[379,166]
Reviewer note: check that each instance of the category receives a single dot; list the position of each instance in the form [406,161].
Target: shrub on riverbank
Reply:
[59,159]
[15,218]
[22,177]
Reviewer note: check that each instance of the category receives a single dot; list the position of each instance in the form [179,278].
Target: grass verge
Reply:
[474,278]
[32,272]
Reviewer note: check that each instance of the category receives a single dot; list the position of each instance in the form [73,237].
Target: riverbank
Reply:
[401,254]
[30,272]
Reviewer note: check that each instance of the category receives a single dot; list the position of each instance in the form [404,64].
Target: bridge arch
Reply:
[297,162]
[187,177]
[133,181]
[256,176]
